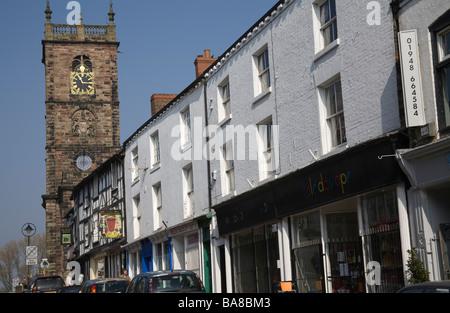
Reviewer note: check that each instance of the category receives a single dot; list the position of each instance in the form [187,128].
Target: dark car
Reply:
[70,289]
[166,281]
[104,285]
[442,286]
[46,284]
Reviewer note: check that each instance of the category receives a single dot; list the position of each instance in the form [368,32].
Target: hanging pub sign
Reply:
[66,236]
[111,224]
[411,78]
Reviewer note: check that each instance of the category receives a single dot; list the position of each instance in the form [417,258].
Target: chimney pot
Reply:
[203,62]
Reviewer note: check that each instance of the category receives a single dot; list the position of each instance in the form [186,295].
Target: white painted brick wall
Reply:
[365,60]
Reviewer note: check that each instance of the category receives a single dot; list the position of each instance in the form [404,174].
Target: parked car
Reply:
[104,285]
[70,289]
[442,286]
[166,281]
[45,284]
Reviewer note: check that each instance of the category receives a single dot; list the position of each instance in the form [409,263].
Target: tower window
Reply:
[81,60]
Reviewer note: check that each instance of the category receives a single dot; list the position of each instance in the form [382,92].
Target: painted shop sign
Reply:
[348,174]
[326,184]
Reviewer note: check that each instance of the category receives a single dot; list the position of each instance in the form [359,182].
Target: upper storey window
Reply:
[325,26]
[328,22]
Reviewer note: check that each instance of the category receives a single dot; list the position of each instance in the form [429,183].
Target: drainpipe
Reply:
[208,164]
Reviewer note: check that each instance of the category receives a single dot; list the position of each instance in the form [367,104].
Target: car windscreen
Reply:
[115,286]
[49,283]
[176,282]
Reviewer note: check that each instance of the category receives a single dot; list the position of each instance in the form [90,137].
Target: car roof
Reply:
[106,279]
[164,273]
[440,283]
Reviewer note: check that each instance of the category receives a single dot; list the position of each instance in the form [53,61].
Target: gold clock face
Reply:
[82,81]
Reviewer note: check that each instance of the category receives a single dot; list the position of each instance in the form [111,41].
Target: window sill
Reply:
[326,50]
[135,181]
[262,95]
[155,167]
[225,120]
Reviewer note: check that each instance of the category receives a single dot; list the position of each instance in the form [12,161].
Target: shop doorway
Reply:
[344,257]
[255,256]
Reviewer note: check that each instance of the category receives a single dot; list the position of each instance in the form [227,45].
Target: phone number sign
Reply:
[411,78]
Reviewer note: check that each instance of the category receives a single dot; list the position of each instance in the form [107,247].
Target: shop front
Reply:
[428,170]
[339,225]
[350,246]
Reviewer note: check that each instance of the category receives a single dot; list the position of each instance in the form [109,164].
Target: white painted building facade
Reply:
[314,86]
[167,189]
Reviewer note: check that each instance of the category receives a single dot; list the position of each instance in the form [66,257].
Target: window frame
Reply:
[155,149]
[331,24]
[186,130]
[134,164]
[188,188]
[137,215]
[441,66]
[335,115]
[224,96]
[227,166]
[157,204]
[327,132]
[261,72]
[266,149]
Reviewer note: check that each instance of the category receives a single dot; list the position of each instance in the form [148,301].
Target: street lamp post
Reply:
[28,230]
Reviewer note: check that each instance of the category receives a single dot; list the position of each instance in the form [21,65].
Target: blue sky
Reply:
[159,41]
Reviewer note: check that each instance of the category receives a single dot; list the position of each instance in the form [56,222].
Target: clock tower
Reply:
[82,116]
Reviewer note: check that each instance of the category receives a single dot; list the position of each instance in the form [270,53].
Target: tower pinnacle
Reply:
[48,12]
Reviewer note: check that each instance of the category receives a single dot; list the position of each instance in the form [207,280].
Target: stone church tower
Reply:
[82,116]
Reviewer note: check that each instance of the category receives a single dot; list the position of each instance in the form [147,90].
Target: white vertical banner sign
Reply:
[411,78]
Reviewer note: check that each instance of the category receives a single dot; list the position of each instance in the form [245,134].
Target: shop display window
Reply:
[307,252]
[345,268]
[381,236]
[255,254]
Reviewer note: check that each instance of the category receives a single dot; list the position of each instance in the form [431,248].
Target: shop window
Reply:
[256,269]
[344,254]
[307,248]
[381,237]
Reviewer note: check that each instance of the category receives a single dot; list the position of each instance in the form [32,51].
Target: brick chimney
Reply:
[203,62]
[158,101]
